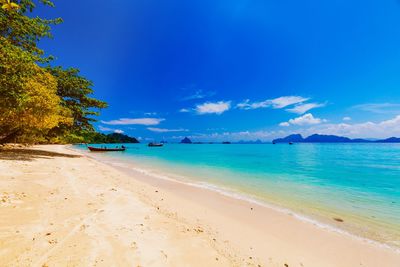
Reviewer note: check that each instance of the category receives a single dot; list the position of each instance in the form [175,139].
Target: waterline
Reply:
[364,212]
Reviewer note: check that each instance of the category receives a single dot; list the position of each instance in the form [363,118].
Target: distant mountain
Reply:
[319,138]
[389,140]
[186,141]
[291,138]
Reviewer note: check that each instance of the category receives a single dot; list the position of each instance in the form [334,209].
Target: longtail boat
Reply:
[155,144]
[98,149]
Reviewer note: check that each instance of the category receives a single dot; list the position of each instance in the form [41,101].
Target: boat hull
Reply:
[154,145]
[96,149]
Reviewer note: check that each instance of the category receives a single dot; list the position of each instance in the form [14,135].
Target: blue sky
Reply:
[236,69]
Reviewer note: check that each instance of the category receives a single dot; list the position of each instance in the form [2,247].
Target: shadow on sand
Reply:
[31,154]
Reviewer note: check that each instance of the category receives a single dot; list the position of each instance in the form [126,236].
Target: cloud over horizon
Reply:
[306,119]
[382,129]
[379,108]
[106,129]
[164,130]
[135,121]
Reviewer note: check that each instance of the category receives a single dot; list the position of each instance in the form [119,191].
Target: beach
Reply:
[63,208]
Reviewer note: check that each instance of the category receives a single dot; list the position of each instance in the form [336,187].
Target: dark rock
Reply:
[186,141]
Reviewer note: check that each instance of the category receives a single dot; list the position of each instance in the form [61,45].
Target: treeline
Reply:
[39,102]
[113,138]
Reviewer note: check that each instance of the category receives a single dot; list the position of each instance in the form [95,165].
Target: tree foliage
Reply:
[29,104]
[113,138]
[25,31]
[38,103]
[75,92]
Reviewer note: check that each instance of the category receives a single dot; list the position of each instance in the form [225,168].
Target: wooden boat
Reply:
[99,149]
[155,144]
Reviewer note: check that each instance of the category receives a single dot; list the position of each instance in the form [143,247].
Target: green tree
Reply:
[75,92]
[44,101]
[29,104]
[25,31]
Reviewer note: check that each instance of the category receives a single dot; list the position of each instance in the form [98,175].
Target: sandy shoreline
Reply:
[60,208]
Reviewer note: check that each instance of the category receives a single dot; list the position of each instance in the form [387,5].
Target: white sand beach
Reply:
[62,208]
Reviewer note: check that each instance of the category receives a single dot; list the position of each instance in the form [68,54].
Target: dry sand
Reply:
[62,208]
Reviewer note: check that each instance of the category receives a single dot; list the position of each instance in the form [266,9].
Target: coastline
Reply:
[216,228]
[379,232]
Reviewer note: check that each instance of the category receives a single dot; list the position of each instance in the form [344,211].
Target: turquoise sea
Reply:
[356,183]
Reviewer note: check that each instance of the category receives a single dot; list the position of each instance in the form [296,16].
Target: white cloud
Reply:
[380,108]
[383,129]
[276,103]
[137,121]
[284,124]
[346,118]
[255,105]
[163,130]
[150,113]
[213,107]
[233,136]
[199,94]
[285,101]
[303,108]
[106,129]
[184,110]
[306,119]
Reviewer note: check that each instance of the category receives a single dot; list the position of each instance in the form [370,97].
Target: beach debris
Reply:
[83,227]
[286,265]
[251,208]
[198,230]
[338,219]
[48,233]
[53,241]
[156,191]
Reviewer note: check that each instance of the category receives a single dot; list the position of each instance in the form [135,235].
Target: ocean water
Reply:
[358,183]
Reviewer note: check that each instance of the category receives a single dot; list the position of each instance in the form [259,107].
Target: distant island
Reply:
[319,138]
[186,140]
[113,138]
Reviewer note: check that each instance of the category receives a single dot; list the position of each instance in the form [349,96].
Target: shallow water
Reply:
[358,183]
